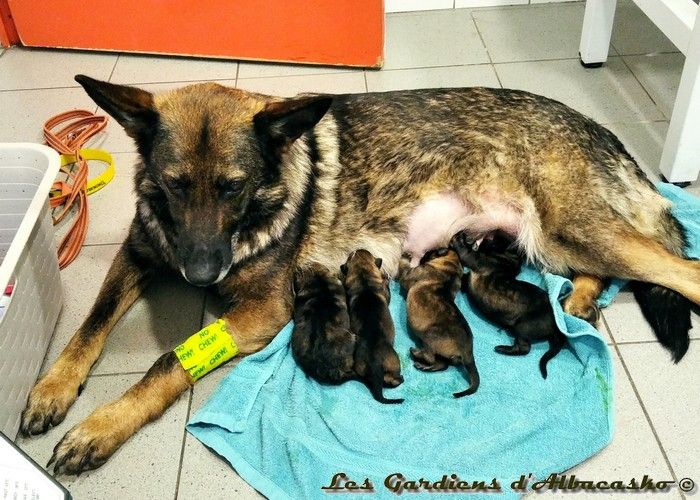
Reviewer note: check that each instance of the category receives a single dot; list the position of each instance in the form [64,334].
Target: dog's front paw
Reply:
[86,446]
[584,309]
[48,404]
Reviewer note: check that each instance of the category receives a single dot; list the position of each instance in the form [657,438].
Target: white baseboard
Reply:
[418,5]
[415,5]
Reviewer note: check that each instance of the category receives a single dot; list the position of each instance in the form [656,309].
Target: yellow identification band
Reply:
[98,182]
[205,350]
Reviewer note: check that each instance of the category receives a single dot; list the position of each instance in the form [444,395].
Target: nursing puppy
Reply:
[322,342]
[367,289]
[433,316]
[521,307]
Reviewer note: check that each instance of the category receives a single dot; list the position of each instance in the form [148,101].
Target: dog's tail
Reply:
[668,313]
[556,344]
[474,380]
[375,382]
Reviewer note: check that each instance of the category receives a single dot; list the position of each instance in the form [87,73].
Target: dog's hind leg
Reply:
[520,348]
[252,325]
[56,391]
[582,301]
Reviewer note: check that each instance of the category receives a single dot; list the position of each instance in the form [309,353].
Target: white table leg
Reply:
[680,160]
[596,33]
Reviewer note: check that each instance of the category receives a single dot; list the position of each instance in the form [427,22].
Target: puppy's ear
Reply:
[378,262]
[281,123]
[344,269]
[133,108]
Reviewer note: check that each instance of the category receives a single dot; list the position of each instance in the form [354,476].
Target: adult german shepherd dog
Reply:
[237,190]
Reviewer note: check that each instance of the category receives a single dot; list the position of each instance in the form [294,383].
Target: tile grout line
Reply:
[478,32]
[189,409]
[111,74]
[116,373]
[622,58]
[184,441]
[646,415]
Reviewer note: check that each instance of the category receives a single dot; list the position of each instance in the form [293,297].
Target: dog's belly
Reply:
[435,220]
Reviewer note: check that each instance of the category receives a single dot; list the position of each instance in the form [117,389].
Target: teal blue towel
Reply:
[287,435]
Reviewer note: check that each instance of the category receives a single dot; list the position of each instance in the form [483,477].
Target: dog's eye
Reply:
[177,185]
[229,188]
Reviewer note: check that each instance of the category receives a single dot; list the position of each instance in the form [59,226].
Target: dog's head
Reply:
[213,180]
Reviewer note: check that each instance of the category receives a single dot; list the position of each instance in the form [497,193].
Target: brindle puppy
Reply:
[521,307]
[322,342]
[367,288]
[433,316]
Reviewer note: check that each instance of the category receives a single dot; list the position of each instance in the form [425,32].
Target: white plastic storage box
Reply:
[28,264]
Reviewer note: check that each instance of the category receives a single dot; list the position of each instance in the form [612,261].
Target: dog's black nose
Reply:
[202,270]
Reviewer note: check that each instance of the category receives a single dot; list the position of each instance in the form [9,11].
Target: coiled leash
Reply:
[67,133]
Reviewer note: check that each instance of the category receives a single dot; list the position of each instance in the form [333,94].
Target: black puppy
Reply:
[322,343]
[521,307]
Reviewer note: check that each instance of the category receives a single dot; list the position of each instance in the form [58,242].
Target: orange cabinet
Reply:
[344,32]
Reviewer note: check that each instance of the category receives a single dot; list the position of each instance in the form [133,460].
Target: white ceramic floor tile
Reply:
[23,112]
[627,324]
[168,313]
[608,94]
[263,70]
[478,75]
[338,83]
[660,75]
[219,482]
[111,211]
[146,466]
[634,33]
[531,33]
[22,68]
[148,69]
[631,432]
[670,395]
[645,142]
[435,38]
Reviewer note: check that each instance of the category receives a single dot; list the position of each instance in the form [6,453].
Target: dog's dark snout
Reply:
[203,265]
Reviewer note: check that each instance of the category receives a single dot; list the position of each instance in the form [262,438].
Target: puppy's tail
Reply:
[474,380]
[556,344]
[375,382]
[668,313]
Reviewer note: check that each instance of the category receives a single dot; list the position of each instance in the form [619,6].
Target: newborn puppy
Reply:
[433,316]
[522,307]
[367,290]
[322,342]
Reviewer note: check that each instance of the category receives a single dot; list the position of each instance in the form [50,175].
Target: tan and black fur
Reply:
[237,189]
[433,316]
[492,286]
[368,296]
[322,342]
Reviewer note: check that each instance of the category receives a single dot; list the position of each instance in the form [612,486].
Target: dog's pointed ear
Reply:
[133,108]
[281,123]
[378,262]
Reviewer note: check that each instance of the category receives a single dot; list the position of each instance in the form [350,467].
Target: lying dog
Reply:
[237,189]
[322,343]
[517,305]
[367,289]
[433,316]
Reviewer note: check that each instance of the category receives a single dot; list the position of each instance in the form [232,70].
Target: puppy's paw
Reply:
[86,446]
[585,309]
[48,404]
[393,379]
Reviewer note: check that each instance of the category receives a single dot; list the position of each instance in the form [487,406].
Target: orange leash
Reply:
[78,127]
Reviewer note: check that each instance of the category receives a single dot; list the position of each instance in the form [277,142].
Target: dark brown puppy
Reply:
[367,289]
[521,307]
[433,316]
[322,343]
